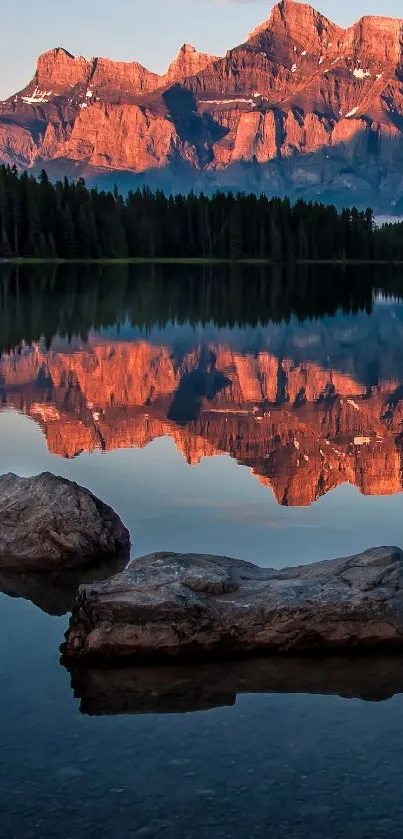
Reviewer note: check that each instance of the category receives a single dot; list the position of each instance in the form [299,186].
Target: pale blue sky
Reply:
[149,31]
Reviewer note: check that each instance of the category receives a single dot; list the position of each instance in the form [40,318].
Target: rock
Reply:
[188,62]
[303,107]
[170,605]
[58,71]
[179,688]
[47,522]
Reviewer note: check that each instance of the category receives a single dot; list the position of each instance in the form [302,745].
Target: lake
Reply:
[250,411]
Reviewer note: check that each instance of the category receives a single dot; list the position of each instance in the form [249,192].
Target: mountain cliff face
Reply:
[303,107]
[301,425]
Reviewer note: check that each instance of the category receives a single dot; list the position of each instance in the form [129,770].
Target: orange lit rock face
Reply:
[300,428]
[300,99]
[188,62]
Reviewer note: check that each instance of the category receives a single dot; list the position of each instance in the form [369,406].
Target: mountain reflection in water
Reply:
[298,376]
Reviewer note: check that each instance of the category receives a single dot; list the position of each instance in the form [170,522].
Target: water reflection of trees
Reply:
[40,301]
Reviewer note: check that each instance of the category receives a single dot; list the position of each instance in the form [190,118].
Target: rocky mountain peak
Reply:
[303,107]
[58,69]
[293,18]
[373,37]
[298,28]
[188,62]
[186,48]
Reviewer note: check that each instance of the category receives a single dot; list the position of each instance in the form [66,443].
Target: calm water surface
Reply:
[249,414]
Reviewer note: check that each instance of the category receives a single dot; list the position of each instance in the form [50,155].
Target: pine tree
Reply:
[69,246]
[302,243]
[5,249]
[32,244]
[276,247]
[235,231]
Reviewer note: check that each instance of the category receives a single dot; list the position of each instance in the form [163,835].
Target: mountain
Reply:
[302,107]
[305,407]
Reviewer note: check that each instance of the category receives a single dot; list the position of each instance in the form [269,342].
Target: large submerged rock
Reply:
[169,605]
[47,522]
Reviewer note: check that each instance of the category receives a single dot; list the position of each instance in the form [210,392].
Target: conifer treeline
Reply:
[69,221]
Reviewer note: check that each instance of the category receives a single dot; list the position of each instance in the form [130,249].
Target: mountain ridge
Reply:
[302,107]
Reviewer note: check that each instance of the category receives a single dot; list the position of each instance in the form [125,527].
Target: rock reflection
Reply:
[180,689]
[55,593]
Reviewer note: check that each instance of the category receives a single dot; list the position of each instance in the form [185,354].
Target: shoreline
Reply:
[194,261]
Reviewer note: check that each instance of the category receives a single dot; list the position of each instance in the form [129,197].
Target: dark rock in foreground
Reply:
[47,522]
[178,688]
[170,605]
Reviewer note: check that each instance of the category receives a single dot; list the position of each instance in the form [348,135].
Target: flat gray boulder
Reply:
[47,522]
[170,605]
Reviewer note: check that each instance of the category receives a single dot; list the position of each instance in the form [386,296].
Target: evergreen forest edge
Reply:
[66,220]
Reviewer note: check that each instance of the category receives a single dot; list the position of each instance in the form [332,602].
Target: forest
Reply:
[66,220]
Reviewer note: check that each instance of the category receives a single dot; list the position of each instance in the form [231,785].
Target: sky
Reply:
[150,32]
